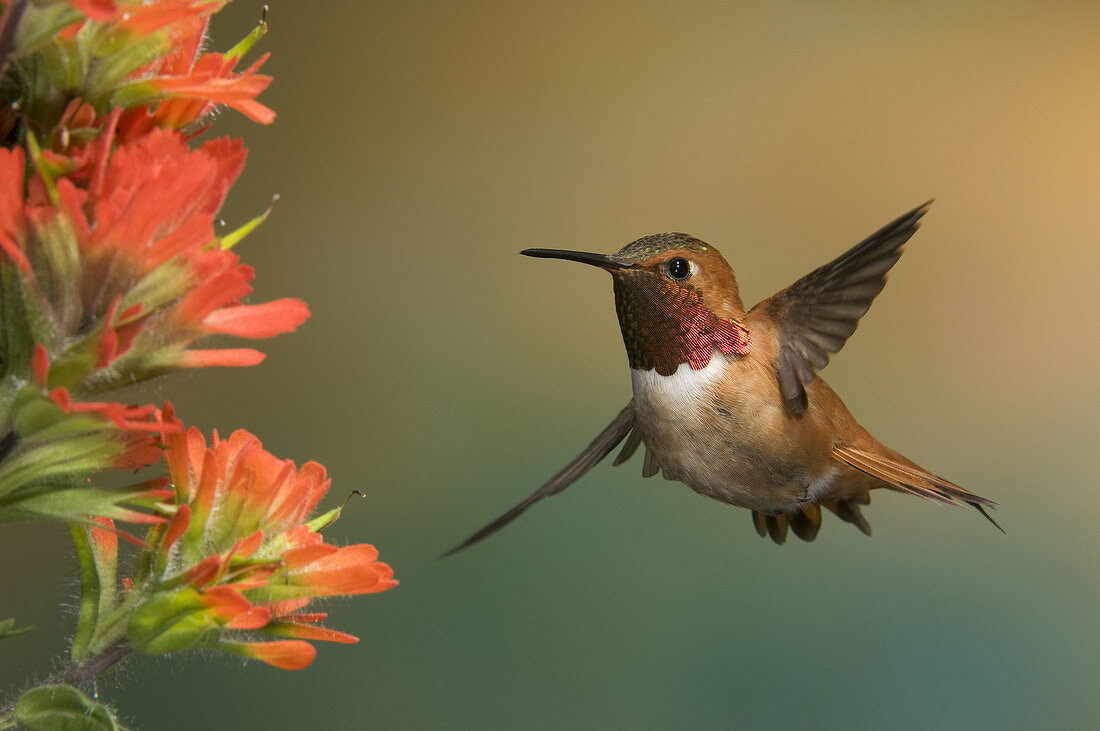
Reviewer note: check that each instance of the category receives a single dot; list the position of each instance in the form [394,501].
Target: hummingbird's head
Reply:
[676,298]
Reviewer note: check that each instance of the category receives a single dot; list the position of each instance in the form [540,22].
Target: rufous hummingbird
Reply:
[728,401]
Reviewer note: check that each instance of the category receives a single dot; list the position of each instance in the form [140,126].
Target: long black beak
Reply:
[597,260]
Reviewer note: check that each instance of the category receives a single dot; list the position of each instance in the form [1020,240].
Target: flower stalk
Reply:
[111,273]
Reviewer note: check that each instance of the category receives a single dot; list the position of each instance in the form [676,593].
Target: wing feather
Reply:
[600,447]
[817,314]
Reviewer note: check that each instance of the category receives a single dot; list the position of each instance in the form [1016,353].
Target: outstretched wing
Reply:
[600,447]
[817,314]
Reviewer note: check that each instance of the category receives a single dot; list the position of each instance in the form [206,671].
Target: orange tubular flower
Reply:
[212,82]
[237,558]
[111,269]
[191,84]
[54,444]
[180,84]
[139,218]
[109,216]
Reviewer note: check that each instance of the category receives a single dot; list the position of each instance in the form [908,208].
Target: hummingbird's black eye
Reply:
[679,268]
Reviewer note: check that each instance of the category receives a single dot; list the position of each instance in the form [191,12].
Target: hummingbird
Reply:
[729,402]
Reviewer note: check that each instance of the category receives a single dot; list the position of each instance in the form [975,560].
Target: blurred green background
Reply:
[420,145]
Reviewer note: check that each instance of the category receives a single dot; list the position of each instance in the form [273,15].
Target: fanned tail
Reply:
[909,478]
[806,522]
[913,480]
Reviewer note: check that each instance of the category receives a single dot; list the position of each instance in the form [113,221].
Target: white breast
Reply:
[671,411]
[710,442]
[682,392]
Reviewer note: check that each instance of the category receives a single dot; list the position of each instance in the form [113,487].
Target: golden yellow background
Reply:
[420,145]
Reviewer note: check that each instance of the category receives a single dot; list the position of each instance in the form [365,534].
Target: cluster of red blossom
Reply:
[110,269]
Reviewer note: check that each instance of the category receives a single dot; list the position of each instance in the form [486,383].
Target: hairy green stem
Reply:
[77,676]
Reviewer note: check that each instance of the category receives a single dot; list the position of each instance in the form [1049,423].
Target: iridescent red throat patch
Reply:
[665,325]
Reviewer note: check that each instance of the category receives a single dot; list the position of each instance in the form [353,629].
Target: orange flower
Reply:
[110,216]
[152,278]
[209,83]
[54,444]
[193,83]
[182,84]
[238,554]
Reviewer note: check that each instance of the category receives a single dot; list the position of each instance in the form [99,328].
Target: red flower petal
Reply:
[258,321]
[108,342]
[132,418]
[248,546]
[176,528]
[106,539]
[300,618]
[349,570]
[224,357]
[149,18]
[267,476]
[301,535]
[98,10]
[105,144]
[254,618]
[157,198]
[221,281]
[12,221]
[229,604]
[140,452]
[311,632]
[285,607]
[204,571]
[60,396]
[290,507]
[283,654]
[237,91]
[40,364]
[128,537]
[297,557]
[206,488]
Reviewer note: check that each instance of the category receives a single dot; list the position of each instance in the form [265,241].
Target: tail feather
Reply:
[806,522]
[911,479]
[760,522]
[777,527]
[849,512]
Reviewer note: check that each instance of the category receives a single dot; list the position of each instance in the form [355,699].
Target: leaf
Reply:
[8,628]
[73,504]
[233,238]
[62,708]
[49,20]
[235,53]
[98,580]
